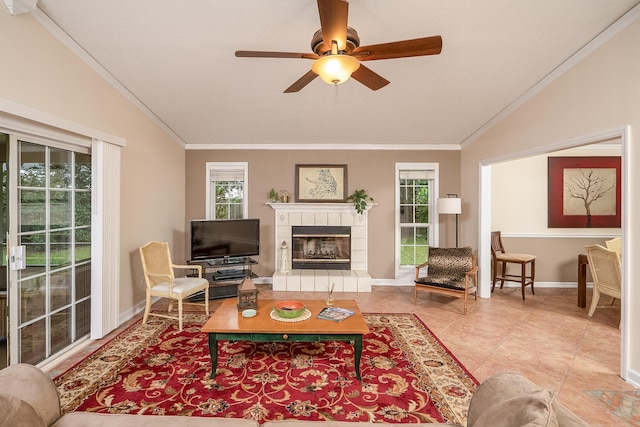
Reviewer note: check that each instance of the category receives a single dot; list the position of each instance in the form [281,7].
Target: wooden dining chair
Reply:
[500,257]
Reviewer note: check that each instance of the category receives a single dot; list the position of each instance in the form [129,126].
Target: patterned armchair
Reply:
[450,271]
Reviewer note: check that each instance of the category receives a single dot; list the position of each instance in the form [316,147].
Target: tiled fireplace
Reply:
[320,247]
[330,222]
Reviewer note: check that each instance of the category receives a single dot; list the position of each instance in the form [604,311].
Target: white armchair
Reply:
[606,273]
[160,280]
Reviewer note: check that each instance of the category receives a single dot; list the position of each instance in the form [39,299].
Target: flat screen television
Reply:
[211,239]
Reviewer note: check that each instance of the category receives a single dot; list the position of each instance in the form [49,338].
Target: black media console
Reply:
[224,276]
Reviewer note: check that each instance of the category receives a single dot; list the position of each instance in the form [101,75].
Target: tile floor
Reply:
[547,338]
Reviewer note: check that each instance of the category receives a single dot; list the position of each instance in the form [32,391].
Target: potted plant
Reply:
[273,195]
[360,199]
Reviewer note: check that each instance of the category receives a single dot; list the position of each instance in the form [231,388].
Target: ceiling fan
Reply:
[338,54]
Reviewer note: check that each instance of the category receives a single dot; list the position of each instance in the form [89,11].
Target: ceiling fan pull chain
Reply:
[335,101]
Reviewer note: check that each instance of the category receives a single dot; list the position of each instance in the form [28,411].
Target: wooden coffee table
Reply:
[227,323]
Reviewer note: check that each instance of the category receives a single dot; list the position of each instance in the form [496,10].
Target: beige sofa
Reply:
[28,398]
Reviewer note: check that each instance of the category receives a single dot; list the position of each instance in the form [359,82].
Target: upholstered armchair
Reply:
[161,282]
[615,244]
[450,271]
[606,273]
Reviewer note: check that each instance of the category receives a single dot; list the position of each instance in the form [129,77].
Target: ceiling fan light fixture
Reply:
[335,69]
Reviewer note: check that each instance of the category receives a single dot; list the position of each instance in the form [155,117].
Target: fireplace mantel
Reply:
[322,214]
[317,207]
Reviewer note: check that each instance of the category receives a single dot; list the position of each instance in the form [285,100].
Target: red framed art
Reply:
[584,192]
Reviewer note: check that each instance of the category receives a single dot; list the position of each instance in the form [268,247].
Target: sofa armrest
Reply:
[418,267]
[503,387]
[30,384]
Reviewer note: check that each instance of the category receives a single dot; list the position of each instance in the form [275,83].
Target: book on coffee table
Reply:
[335,314]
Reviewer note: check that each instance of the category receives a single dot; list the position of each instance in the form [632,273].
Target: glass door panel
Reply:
[4,215]
[53,207]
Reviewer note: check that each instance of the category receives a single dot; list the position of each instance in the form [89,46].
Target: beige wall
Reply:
[39,72]
[519,195]
[519,189]
[372,170]
[556,257]
[600,93]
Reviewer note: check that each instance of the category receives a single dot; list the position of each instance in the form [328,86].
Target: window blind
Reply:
[226,175]
[417,174]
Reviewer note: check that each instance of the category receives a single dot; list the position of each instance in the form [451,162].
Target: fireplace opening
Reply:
[321,247]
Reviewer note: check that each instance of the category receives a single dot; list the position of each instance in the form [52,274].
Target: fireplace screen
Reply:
[322,248]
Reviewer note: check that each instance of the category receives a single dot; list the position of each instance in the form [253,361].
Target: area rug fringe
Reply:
[430,367]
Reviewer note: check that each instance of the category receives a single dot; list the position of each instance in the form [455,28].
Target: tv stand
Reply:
[227,261]
[224,275]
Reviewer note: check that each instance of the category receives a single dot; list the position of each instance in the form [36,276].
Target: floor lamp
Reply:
[452,204]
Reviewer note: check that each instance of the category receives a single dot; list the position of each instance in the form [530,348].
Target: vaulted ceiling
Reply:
[177,59]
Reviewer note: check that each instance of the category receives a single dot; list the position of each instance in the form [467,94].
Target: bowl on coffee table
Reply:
[289,309]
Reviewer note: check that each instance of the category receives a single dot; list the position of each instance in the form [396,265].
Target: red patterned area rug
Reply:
[624,404]
[408,376]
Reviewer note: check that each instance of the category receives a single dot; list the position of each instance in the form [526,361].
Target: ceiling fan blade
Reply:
[369,78]
[263,54]
[302,82]
[401,49]
[333,20]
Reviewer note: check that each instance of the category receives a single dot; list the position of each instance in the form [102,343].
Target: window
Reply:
[416,185]
[227,190]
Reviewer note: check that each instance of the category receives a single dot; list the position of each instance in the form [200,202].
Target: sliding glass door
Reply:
[49,250]
[4,217]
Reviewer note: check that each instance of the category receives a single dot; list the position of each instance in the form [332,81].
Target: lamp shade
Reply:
[335,69]
[450,205]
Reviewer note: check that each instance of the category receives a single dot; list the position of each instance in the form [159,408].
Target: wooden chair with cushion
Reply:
[160,280]
[450,271]
[503,258]
[605,272]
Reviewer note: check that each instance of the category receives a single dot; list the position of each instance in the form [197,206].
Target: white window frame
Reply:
[229,166]
[23,121]
[404,273]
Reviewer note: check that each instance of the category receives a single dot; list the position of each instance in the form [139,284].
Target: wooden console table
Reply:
[583,262]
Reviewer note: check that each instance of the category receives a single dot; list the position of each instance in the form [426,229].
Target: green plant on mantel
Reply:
[273,195]
[360,199]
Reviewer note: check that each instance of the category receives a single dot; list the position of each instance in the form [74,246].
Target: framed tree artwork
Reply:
[584,192]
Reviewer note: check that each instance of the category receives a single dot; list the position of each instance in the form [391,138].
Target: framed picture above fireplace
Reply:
[321,183]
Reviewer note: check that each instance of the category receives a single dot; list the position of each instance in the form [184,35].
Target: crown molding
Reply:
[18,7]
[332,147]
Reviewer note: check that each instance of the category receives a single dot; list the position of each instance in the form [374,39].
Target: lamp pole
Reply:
[456,230]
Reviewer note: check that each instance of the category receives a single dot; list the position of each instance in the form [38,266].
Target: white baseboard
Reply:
[633,378]
[565,285]
[134,311]
[392,282]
